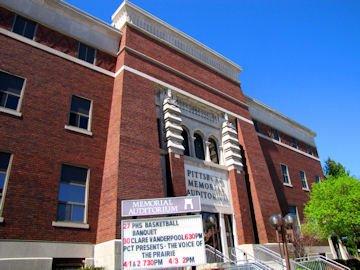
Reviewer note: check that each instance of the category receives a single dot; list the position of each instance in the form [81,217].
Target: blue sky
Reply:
[300,57]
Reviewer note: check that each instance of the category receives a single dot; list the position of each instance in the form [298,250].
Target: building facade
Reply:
[92,114]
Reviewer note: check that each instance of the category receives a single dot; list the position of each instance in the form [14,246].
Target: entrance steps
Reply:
[261,257]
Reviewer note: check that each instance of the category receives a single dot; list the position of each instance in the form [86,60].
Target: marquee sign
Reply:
[211,185]
[160,206]
[167,242]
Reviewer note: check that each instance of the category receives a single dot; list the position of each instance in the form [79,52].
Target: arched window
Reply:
[199,146]
[214,157]
[185,142]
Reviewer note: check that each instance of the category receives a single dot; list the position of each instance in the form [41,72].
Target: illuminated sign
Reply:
[163,242]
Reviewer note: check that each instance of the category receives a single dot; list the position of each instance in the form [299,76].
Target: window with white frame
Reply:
[11,90]
[73,194]
[317,179]
[24,27]
[5,160]
[86,53]
[303,180]
[294,143]
[285,174]
[80,113]
[294,212]
[275,134]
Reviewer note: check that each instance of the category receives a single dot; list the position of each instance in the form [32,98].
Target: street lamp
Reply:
[281,225]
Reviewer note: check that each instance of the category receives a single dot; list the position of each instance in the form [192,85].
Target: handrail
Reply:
[269,252]
[277,257]
[218,253]
[253,258]
[324,259]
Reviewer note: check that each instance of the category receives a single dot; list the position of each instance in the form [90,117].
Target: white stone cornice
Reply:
[68,20]
[130,14]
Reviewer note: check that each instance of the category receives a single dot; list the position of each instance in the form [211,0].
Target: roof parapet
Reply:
[128,13]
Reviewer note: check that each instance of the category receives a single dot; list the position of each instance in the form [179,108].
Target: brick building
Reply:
[92,114]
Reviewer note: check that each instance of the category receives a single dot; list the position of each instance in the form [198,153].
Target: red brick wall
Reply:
[276,154]
[109,201]
[6,18]
[56,40]
[40,144]
[105,61]
[285,138]
[262,191]
[240,201]
[163,53]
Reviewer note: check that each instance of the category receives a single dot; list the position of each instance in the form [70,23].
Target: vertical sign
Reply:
[163,242]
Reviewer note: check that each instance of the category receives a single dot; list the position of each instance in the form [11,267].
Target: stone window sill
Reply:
[1,219]
[79,130]
[288,185]
[70,225]
[306,189]
[12,112]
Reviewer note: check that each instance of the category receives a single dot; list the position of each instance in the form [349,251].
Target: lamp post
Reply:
[281,224]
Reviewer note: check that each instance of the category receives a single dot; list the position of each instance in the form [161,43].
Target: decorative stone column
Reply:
[231,149]
[173,127]
[174,140]
[207,151]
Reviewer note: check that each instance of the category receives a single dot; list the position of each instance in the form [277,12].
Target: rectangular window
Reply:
[86,53]
[80,113]
[294,143]
[256,125]
[11,88]
[293,211]
[303,179]
[72,194]
[275,134]
[5,160]
[317,179]
[285,174]
[24,27]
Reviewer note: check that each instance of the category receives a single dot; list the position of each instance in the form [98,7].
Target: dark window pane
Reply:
[2,98]
[11,83]
[19,25]
[86,53]
[199,147]
[64,212]
[80,105]
[73,174]
[72,193]
[24,27]
[83,122]
[4,161]
[213,151]
[78,213]
[82,51]
[2,180]
[256,125]
[185,143]
[73,120]
[276,135]
[12,102]
[90,55]
[29,29]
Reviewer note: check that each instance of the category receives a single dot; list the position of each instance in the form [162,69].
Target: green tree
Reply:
[333,168]
[334,209]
